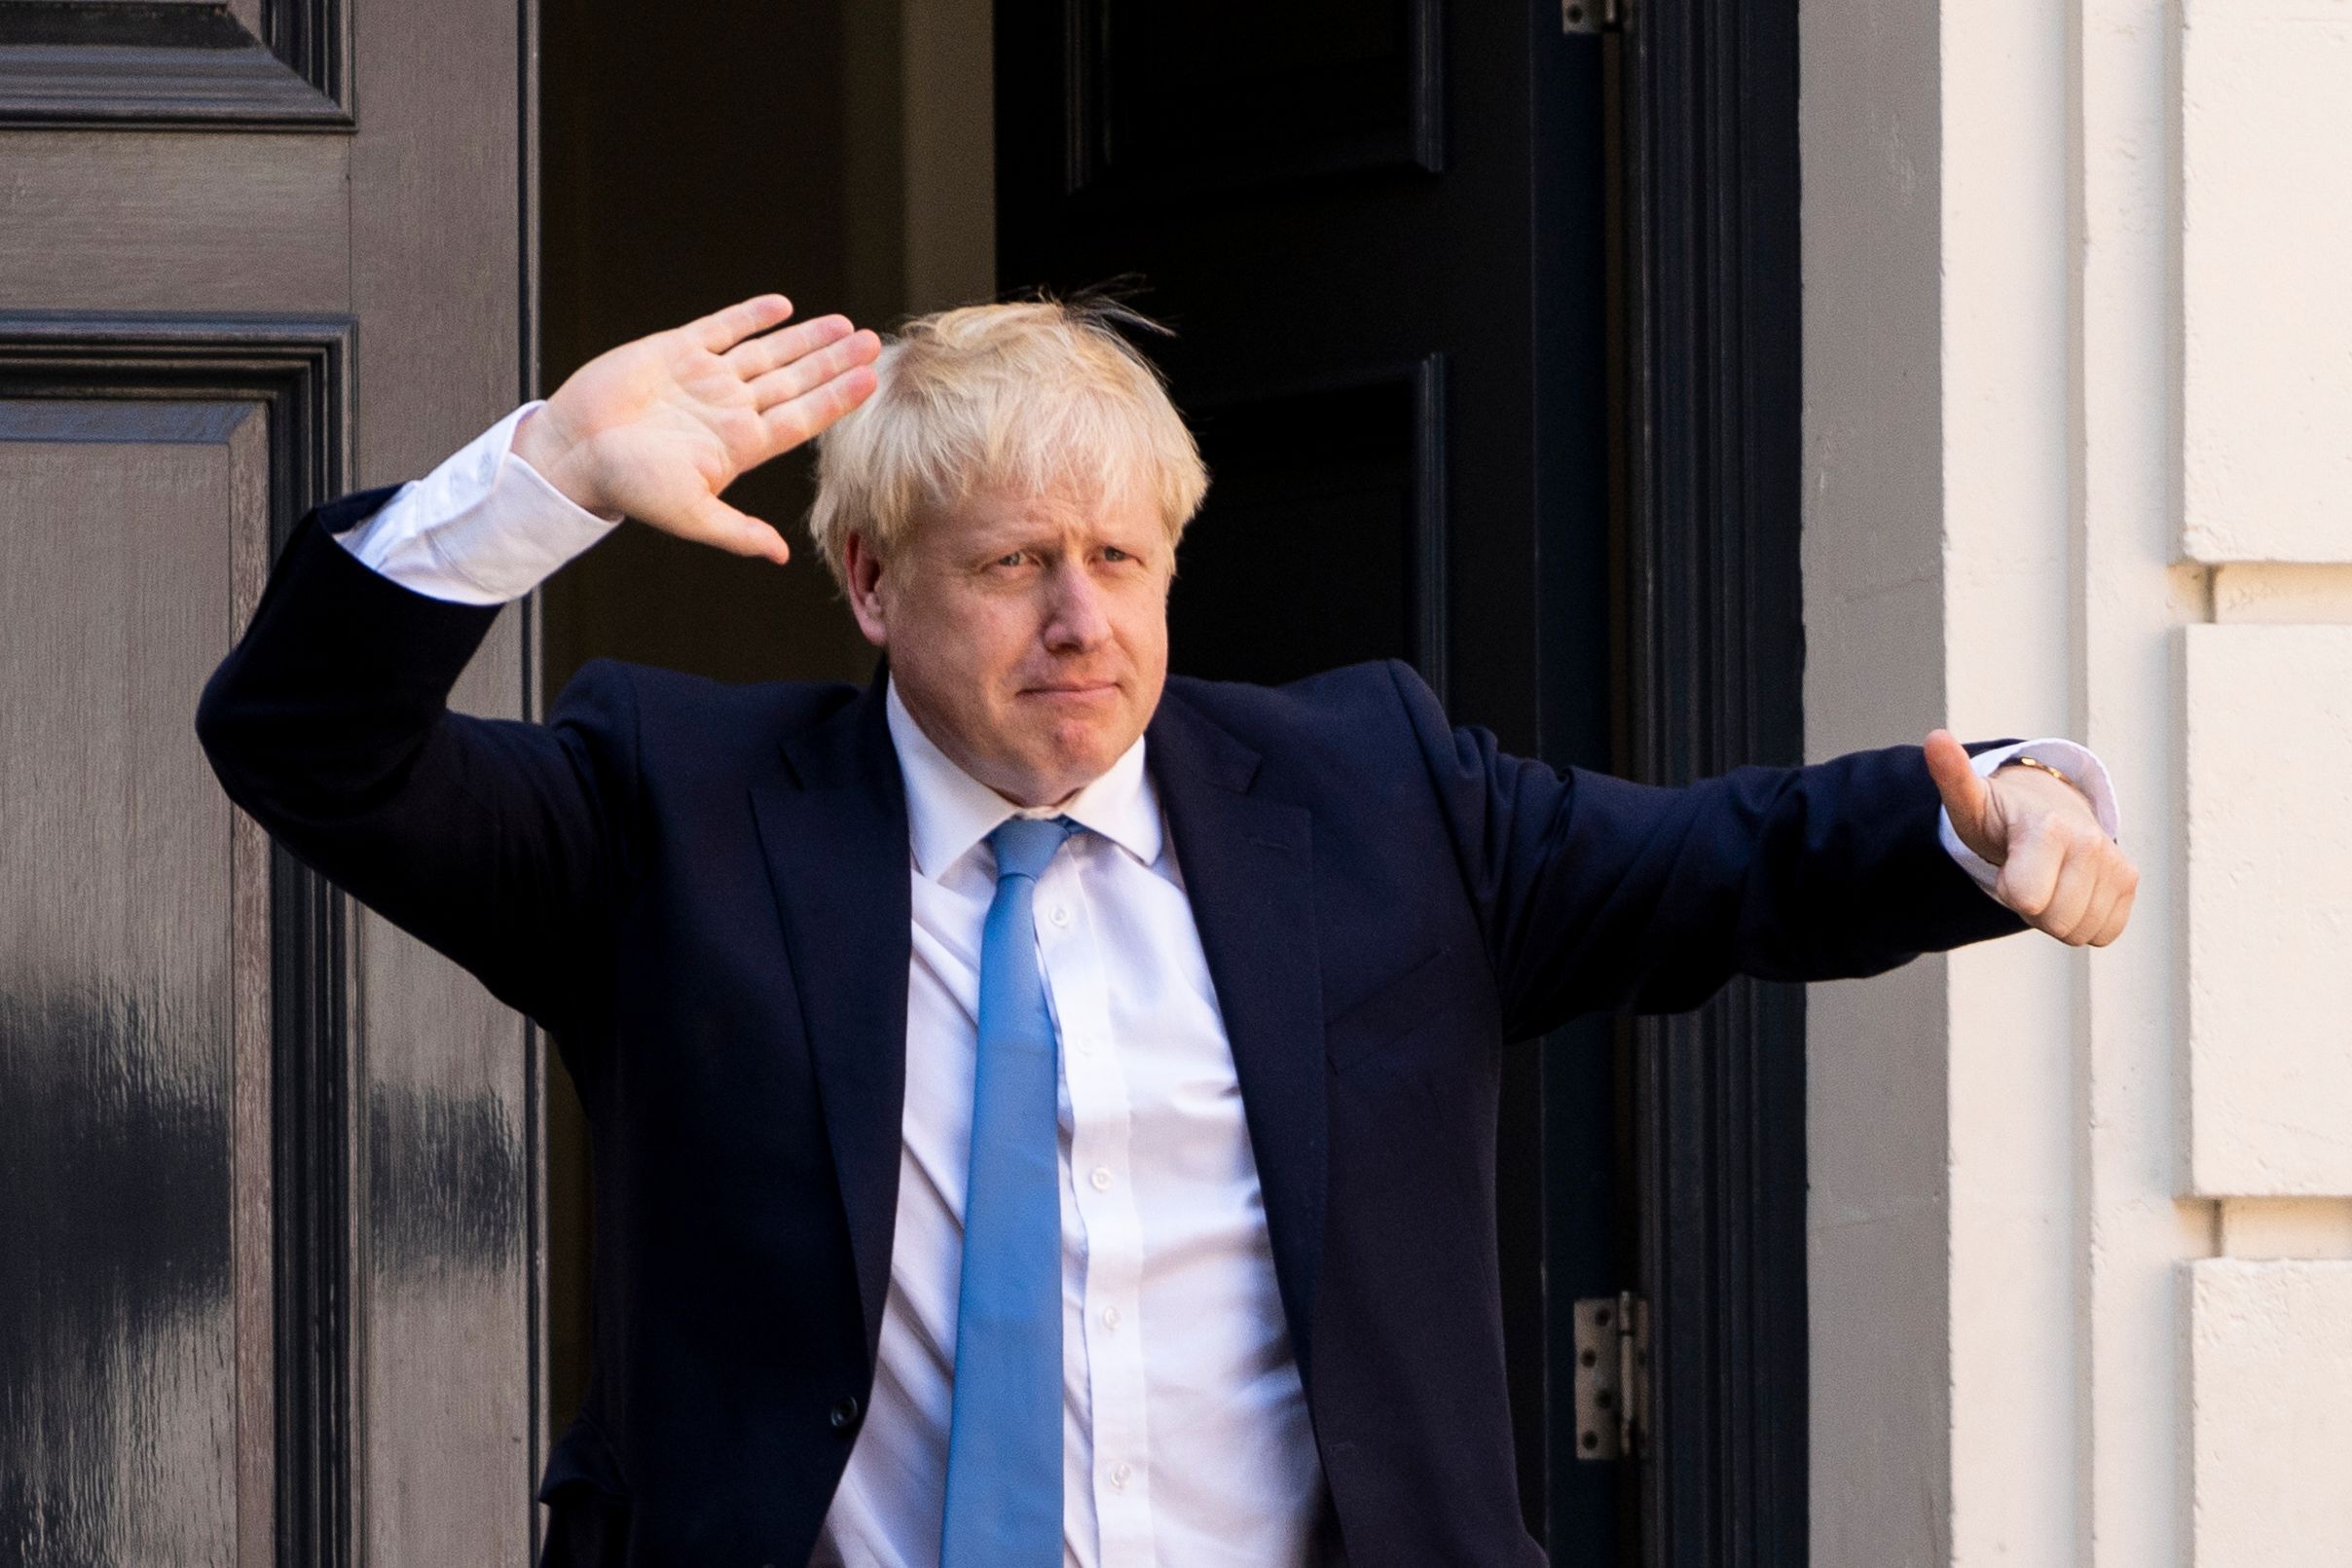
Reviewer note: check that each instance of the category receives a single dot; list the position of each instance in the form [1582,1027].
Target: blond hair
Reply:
[1032,397]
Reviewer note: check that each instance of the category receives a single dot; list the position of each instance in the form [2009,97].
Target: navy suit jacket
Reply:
[702,892]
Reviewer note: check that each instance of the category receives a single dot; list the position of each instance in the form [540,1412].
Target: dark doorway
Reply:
[1379,233]
[870,196]
[1487,324]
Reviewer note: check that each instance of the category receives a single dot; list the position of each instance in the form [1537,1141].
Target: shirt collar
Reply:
[948,811]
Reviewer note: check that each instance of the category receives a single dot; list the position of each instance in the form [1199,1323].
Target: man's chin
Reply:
[1070,762]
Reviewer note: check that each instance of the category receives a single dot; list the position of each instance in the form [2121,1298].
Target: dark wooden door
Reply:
[1376,228]
[267,1245]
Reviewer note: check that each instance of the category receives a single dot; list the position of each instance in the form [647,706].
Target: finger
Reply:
[2118,917]
[716,523]
[723,329]
[2029,878]
[788,381]
[1967,796]
[795,420]
[2070,897]
[2096,912]
[756,356]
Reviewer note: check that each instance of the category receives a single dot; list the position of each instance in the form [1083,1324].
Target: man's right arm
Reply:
[499,843]
[503,843]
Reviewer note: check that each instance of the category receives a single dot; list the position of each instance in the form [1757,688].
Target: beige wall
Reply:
[2078,384]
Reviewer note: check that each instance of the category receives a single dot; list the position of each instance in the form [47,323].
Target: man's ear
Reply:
[862,565]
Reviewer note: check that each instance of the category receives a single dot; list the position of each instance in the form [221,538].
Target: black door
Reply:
[1376,228]
[269,1253]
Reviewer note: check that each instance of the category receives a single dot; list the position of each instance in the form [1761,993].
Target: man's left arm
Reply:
[1594,893]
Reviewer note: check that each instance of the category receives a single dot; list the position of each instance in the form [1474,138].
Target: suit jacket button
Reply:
[844,1416]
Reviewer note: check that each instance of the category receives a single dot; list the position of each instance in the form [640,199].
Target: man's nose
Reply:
[1076,618]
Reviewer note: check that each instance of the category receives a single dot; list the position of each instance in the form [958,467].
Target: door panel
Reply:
[267,1222]
[113,221]
[128,1353]
[1230,93]
[177,63]
[1361,459]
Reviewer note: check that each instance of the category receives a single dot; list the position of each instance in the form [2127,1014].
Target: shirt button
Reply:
[1101,1177]
[1110,1317]
[1121,1473]
[1061,914]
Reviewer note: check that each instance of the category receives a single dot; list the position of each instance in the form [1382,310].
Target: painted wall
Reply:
[2079,367]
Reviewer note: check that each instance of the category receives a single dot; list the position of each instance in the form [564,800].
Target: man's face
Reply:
[1028,634]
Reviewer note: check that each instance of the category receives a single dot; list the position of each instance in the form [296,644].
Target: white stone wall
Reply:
[2078,387]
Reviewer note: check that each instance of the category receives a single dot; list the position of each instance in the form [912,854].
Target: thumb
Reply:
[1967,796]
[714,522]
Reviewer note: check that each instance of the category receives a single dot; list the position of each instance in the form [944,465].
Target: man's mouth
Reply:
[1074,688]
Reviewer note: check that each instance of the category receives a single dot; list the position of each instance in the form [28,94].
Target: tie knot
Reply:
[1025,845]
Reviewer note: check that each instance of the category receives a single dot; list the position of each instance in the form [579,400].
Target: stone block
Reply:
[2267,245]
[2271,1402]
[2268,749]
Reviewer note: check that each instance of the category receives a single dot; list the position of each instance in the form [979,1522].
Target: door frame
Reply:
[1711,405]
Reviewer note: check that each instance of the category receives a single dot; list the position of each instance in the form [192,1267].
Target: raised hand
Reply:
[656,428]
[2058,868]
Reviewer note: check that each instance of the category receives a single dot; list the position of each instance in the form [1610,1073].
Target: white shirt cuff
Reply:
[2074,761]
[482,529]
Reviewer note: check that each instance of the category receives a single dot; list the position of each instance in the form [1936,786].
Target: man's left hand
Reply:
[2058,868]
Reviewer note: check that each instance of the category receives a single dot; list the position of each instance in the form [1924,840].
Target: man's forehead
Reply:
[995,511]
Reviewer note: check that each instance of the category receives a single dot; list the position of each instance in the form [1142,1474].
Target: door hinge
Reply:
[1593,15]
[1612,1345]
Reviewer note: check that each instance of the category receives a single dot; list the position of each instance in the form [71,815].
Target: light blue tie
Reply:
[1004,1437]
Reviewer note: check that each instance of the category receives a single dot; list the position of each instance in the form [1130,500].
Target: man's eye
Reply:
[1015,559]
[1114,553]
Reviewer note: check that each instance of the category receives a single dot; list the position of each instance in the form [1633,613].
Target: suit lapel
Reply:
[834,835]
[834,838]
[1249,873]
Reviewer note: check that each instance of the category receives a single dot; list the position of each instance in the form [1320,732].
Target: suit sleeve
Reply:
[1597,893]
[501,843]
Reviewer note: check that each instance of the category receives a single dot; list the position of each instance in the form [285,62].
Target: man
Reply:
[1183,1003]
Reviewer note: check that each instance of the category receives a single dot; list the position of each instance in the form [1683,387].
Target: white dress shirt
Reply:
[1184,1431]
[1184,1437]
